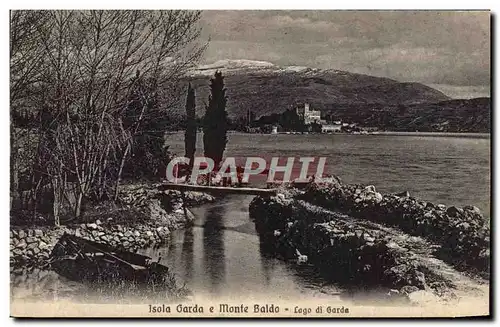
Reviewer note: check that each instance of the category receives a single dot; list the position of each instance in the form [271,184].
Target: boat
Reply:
[80,259]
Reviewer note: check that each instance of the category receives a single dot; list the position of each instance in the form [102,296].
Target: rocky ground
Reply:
[361,237]
[462,233]
[143,216]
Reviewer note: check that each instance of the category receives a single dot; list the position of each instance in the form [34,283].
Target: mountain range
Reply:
[265,88]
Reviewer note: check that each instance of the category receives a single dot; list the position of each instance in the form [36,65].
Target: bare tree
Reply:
[86,76]
[25,58]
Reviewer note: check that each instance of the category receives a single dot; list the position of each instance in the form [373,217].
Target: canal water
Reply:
[221,256]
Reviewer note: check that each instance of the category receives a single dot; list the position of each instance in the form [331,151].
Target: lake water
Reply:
[221,254]
[452,170]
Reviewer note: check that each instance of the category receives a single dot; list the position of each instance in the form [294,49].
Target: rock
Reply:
[32,245]
[393,292]
[368,238]
[408,289]
[126,244]
[137,233]
[21,234]
[454,212]
[277,233]
[44,255]
[370,188]
[17,252]
[42,245]
[473,209]
[38,232]
[149,233]
[377,197]
[419,279]
[392,245]
[441,207]
[92,226]
[31,239]
[36,251]
[485,253]
[98,222]
[404,194]
[422,297]
[22,244]
[302,259]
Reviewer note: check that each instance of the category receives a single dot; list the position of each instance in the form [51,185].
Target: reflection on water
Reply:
[222,256]
[213,247]
[32,284]
[40,284]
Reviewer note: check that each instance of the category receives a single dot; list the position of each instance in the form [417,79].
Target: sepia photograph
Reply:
[250,163]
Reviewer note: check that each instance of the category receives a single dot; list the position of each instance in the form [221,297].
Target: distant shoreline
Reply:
[443,134]
[385,133]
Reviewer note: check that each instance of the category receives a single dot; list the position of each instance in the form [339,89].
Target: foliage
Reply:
[215,121]
[74,71]
[316,127]
[288,120]
[190,133]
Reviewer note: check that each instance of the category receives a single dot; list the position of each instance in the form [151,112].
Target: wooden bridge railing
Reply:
[218,189]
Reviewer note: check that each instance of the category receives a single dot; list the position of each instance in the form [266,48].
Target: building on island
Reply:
[307,115]
[331,128]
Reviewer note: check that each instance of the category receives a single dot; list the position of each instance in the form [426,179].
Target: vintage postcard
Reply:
[304,164]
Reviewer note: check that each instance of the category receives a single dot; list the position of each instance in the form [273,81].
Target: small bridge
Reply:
[218,189]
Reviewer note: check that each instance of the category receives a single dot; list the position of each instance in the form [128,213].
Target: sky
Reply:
[449,51]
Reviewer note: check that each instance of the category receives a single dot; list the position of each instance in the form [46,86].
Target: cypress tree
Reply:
[215,122]
[190,133]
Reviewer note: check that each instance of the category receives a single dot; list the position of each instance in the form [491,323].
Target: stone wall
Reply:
[352,250]
[463,233]
[143,216]
[33,246]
